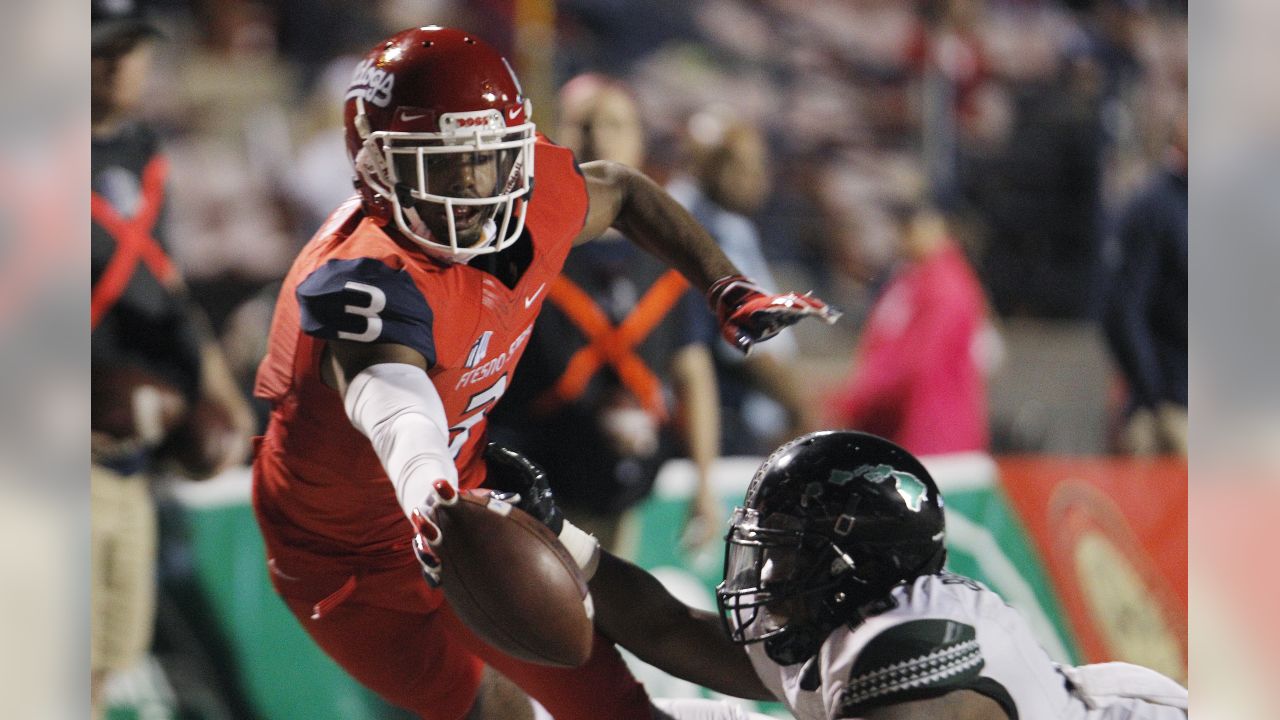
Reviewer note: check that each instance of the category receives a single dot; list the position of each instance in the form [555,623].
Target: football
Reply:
[200,446]
[130,403]
[512,582]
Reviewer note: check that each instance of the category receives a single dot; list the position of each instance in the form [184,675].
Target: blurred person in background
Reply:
[225,91]
[656,397]
[321,181]
[1146,318]
[948,53]
[323,177]
[395,334]
[599,120]
[917,378]
[761,399]
[1050,165]
[160,385]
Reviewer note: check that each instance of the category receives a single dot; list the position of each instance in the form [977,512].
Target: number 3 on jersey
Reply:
[373,323]
[477,407]
[364,300]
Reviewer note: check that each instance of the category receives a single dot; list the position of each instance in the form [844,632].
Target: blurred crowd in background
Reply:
[1025,126]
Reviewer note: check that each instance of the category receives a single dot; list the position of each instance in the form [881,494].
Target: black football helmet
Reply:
[832,521]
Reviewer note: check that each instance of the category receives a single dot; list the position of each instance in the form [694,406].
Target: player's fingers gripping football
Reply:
[426,531]
[747,314]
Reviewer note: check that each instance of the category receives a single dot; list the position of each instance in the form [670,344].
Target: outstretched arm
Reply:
[635,611]
[632,608]
[624,199]
[391,400]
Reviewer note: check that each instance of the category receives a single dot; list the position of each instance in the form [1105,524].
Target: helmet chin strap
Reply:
[795,645]
[489,229]
[362,119]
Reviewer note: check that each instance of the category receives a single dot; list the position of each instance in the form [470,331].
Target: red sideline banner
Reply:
[1113,536]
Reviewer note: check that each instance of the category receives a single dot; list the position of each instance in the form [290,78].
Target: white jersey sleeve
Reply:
[941,634]
[911,648]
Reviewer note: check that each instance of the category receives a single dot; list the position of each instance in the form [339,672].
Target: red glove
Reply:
[748,314]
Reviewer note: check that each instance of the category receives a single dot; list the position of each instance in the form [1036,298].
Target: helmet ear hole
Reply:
[370,166]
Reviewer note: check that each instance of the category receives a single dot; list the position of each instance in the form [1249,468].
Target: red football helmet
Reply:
[438,131]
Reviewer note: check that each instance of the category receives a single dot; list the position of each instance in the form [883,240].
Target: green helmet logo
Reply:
[908,486]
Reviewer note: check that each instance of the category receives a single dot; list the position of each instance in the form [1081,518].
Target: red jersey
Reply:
[324,489]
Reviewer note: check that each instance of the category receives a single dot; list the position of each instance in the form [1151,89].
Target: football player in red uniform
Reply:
[396,331]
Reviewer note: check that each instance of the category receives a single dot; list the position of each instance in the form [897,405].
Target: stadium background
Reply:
[1035,122]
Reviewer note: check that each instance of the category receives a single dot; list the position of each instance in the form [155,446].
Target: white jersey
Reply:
[946,632]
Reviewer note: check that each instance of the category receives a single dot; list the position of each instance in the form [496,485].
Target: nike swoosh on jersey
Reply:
[529,300]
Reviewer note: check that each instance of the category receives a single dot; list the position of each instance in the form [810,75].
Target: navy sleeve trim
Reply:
[365,300]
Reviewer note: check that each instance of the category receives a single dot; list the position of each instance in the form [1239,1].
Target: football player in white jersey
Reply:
[835,595]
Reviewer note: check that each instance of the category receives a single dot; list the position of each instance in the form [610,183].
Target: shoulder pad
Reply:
[910,661]
[365,300]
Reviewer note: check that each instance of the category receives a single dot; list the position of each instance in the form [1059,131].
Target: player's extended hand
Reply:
[516,479]
[748,315]
[426,533]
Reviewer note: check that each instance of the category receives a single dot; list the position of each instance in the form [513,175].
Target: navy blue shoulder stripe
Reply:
[365,300]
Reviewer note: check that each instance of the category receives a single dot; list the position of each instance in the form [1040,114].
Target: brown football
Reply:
[201,444]
[128,402]
[513,583]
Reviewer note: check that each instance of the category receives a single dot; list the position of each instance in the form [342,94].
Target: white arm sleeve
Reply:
[397,407]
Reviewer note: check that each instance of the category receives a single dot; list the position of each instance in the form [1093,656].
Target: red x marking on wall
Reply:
[134,241]
[613,345]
